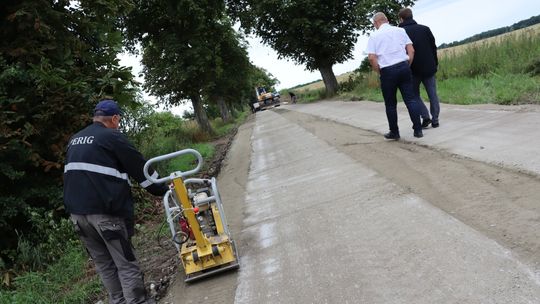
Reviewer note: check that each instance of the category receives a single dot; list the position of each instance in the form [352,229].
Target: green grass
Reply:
[311,95]
[188,162]
[62,282]
[207,150]
[222,129]
[498,89]
[511,56]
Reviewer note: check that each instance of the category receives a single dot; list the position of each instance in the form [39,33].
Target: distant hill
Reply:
[491,33]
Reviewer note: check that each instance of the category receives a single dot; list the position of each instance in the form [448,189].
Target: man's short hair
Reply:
[379,16]
[405,13]
[107,107]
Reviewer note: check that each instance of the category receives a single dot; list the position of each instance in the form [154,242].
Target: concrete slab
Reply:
[322,228]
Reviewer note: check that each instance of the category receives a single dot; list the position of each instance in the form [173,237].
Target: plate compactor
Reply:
[196,220]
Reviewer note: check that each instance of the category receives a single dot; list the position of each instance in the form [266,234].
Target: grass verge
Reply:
[493,88]
[66,281]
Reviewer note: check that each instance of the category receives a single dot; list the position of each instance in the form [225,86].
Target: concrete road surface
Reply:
[326,211]
[504,135]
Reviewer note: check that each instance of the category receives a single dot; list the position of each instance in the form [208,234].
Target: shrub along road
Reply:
[326,211]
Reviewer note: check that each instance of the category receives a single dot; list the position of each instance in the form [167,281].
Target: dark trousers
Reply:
[399,76]
[431,88]
[107,241]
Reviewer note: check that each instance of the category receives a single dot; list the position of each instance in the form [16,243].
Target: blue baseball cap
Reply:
[107,107]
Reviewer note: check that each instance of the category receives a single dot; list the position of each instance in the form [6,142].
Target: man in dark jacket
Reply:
[99,163]
[424,65]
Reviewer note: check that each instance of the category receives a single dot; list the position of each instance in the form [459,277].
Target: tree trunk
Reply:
[223,109]
[330,81]
[200,114]
[232,108]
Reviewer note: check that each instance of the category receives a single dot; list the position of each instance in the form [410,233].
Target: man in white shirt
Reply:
[390,52]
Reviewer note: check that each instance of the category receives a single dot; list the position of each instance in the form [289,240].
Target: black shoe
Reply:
[418,134]
[435,125]
[425,123]
[391,135]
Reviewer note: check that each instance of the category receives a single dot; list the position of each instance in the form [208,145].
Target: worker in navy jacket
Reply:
[97,193]
[424,66]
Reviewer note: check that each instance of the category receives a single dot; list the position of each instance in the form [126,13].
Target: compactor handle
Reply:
[174,174]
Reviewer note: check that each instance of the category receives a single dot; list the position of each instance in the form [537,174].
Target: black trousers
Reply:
[107,241]
[399,76]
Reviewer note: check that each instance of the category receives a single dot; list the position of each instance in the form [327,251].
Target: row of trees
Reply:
[191,52]
[59,57]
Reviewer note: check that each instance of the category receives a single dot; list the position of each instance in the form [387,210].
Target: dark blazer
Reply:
[425,51]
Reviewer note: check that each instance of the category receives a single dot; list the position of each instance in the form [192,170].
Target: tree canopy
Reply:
[190,52]
[317,34]
[56,60]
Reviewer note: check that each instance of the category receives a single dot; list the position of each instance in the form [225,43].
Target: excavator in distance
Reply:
[265,99]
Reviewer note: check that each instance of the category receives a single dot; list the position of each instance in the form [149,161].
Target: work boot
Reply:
[391,135]
[425,123]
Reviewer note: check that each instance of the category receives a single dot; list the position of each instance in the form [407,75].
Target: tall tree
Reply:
[182,43]
[232,71]
[56,59]
[317,34]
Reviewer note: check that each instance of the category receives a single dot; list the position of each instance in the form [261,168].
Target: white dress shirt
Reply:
[388,43]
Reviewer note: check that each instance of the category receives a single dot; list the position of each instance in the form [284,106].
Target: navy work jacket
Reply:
[99,164]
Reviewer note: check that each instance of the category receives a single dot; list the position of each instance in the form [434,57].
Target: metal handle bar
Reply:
[174,174]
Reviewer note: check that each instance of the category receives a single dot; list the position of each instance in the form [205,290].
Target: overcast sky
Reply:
[449,20]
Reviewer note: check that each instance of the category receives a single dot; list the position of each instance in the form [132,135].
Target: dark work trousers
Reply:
[430,84]
[106,239]
[399,76]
